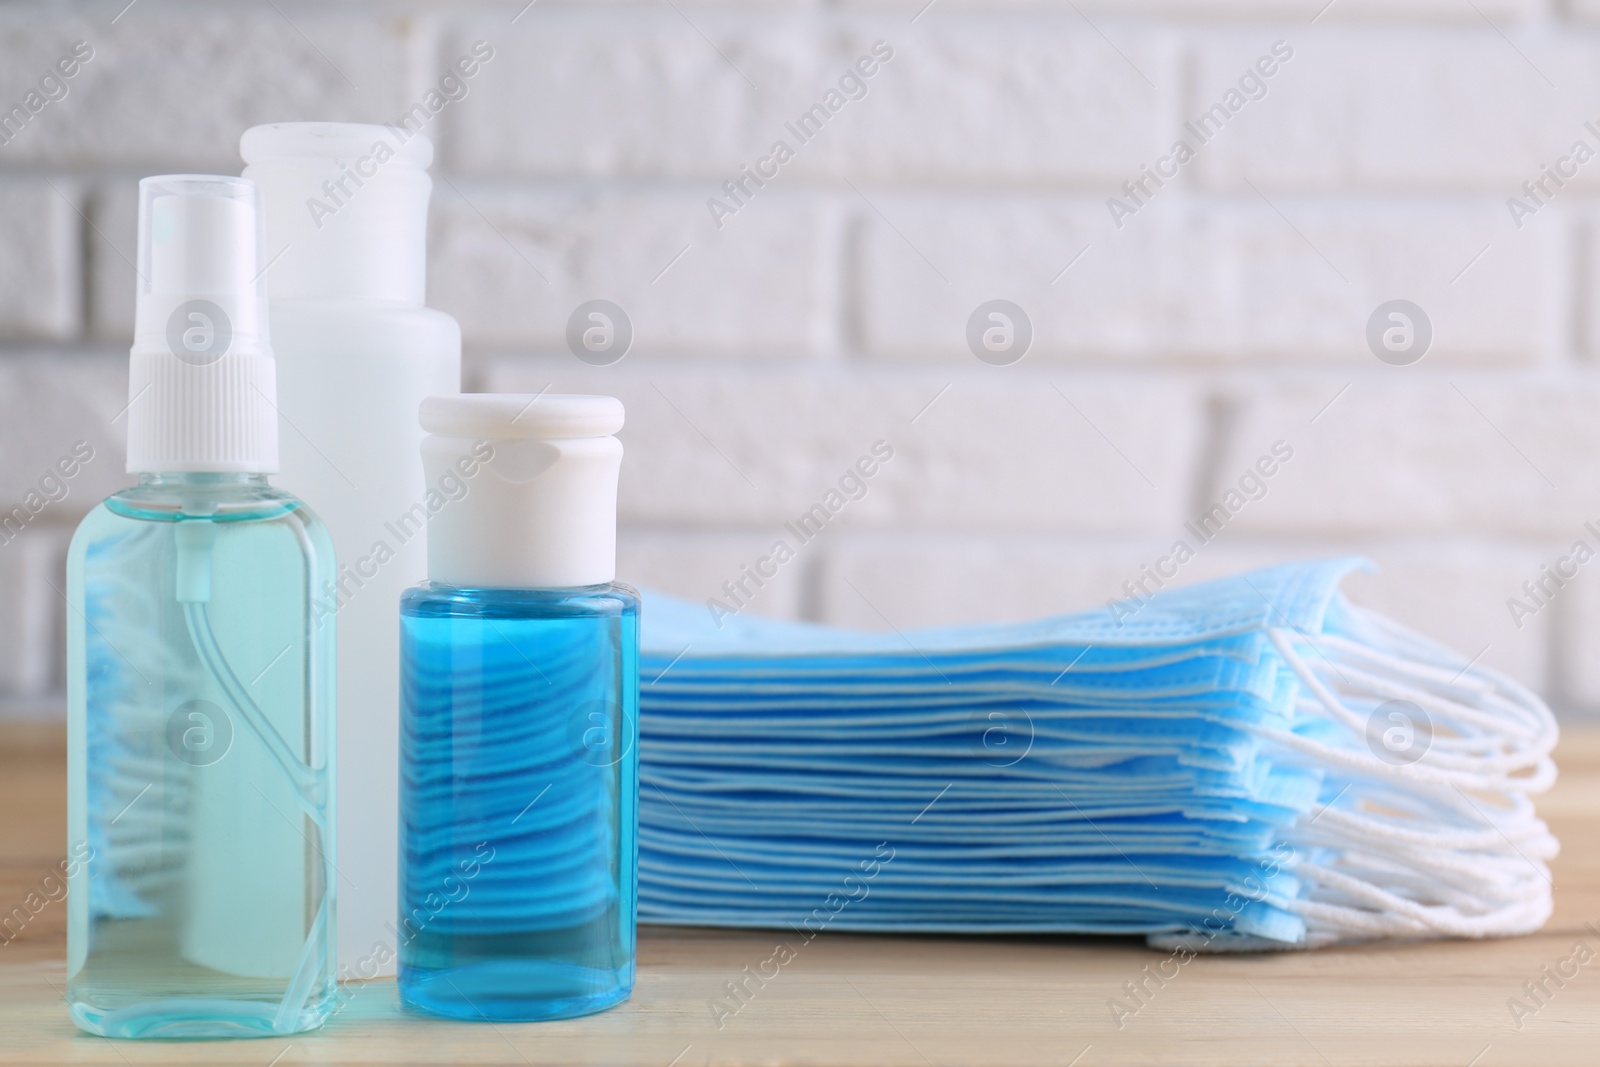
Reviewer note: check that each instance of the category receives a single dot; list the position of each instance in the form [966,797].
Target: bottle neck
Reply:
[203,480]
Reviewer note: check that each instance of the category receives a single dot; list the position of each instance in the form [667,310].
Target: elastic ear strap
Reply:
[1501,715]
[1403,850]
[1356,826]
[1481,741]
[1500,920]
[1479,875]
[1362,765]
[1439,676]
[1443,697]
[1505,688]
[1437,769]
[1389,915]
[1472,877]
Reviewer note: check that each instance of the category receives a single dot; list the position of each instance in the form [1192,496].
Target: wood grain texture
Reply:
[915,1001]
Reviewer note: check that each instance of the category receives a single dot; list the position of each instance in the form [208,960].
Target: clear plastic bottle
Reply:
[519,719]
[200,686]
[201,735]
[519,810]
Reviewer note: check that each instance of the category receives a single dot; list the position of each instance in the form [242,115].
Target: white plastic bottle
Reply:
[346,222]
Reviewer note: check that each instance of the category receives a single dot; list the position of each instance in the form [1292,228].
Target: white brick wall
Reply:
[831,309]
[512,263]
[39,262]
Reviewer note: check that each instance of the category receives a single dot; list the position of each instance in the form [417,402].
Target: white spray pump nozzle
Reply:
[200,240]
[201,383]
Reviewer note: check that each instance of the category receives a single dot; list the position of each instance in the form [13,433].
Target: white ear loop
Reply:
[1403,850]
[1503,747]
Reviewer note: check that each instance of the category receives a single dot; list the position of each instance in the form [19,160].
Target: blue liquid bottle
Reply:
[519,718]
[200,707]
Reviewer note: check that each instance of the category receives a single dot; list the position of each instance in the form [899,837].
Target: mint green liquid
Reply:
[200,743]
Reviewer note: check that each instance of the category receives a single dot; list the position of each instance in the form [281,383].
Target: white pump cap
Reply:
[202,391]
[541,512]
[347,208]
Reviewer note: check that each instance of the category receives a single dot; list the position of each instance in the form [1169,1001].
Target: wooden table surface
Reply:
[919,1001]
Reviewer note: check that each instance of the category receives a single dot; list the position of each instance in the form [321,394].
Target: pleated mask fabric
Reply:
[1248,763]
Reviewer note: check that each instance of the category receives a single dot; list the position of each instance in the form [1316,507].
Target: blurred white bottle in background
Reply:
[346,210]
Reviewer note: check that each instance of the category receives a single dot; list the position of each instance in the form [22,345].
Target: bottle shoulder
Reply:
[133,525]
[437,600]
[232,504]
[210,501]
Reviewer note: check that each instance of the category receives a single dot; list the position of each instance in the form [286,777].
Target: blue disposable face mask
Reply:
[1198,772]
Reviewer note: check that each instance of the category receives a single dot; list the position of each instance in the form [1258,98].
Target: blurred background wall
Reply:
[1183,326]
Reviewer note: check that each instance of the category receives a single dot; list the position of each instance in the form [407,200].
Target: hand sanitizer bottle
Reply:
[346,225]
[519,786]
[199,682]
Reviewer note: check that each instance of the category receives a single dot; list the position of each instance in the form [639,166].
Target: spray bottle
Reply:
[200,682]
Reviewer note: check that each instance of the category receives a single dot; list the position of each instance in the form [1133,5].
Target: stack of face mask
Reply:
[1248,763]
